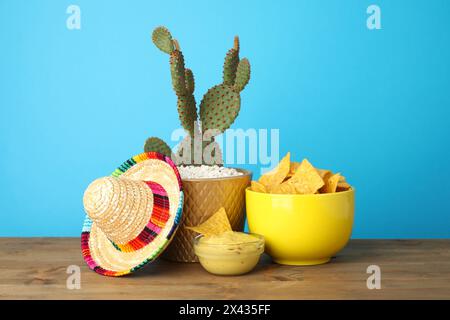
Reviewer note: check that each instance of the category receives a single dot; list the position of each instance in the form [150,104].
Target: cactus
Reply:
[221,104]
[163,40]
[157,145]
[218,108]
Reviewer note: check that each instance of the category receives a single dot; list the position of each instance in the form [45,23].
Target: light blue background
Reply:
[374,105]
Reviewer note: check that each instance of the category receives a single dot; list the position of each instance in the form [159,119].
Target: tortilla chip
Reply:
[324,172]
[293,167]
[258,187]
[216,224]
[331,183]
[284,188]
[306,179]
[278,174]
[343,186]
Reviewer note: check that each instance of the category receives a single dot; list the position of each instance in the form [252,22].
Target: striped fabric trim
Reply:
[158,219]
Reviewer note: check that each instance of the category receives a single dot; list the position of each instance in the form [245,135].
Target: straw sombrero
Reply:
[131,215]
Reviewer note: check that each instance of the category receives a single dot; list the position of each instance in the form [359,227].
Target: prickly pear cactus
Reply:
[163,39]
[221,104]
[218,108]
[191,151]
[231,63]
[157,145]
[242,75]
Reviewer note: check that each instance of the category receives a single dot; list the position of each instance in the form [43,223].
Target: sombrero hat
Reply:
[131,215]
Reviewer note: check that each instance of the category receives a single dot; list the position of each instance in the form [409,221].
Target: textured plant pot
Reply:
[202,198]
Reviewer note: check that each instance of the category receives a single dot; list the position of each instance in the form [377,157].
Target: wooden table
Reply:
[35,268]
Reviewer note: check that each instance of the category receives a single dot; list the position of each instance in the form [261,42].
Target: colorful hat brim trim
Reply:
[145,237]
[158,218]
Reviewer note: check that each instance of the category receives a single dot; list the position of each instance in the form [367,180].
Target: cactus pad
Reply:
[212,150]
[242,75]
[189,152]
[219,107]
[163,39]
[231,63]
[187,112]
[190,82]
[177,72]
[208,152]
[230,66]
[157,145]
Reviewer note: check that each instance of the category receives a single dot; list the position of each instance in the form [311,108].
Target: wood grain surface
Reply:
[36,268]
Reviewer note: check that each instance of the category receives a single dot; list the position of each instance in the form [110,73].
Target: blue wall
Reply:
[372,104]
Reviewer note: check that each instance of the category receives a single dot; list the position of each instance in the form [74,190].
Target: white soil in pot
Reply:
[205,172]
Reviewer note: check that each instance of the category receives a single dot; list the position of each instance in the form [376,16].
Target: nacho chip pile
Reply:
[299,178]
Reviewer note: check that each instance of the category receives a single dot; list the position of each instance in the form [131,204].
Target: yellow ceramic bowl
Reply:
[229,259]
[301,229]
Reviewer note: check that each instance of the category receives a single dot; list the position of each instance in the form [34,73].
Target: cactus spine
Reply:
[219,106]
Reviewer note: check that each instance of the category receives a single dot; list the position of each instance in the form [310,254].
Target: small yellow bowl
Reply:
[301,229]
[229,259]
